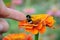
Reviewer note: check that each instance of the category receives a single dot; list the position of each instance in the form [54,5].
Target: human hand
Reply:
[8,13]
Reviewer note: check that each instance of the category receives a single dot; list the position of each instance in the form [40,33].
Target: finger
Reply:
[13,14]
[3,25]
[16,15]
[10,13]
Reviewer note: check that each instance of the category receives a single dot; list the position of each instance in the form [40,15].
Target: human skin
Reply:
[8,13]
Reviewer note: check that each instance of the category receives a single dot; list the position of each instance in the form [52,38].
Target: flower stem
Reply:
[37,36]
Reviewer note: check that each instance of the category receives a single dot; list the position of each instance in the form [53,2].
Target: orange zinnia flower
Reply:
[20,36]
[39,23]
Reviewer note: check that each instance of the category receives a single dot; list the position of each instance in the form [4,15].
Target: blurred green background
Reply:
[41,6]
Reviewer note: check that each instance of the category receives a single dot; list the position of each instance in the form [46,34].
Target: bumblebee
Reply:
[29,19]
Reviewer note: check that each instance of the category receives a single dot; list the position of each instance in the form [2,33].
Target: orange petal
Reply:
[34,31]
[29,26]
[29,37]
[6,38]
[22,36]
[50,21]
[28,30]
[22,22]
[42,30]
[39,26]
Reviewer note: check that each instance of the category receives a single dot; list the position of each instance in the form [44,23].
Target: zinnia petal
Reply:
[28,30]
[39,26]
[42,30]
[34,31]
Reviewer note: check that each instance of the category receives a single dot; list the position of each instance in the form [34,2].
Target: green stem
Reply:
[37,36]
